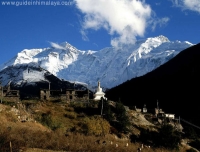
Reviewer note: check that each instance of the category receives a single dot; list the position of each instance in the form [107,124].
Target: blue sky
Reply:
[94,24]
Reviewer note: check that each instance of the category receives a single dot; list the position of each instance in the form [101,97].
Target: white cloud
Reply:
[127,19]
[176,2]
[193,5]
[95,44]
[160,22]
[84,35]
[57,46]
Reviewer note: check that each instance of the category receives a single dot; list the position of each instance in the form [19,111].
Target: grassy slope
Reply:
[33,136]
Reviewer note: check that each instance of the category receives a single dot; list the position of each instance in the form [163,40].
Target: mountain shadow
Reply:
[175,84]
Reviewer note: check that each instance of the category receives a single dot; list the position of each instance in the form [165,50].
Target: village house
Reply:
[159,113]
[170,116]
[137,109]
[144,110]
[68,95]
[7,94]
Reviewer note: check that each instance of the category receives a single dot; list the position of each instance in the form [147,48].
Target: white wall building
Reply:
[99,93]
[170,116]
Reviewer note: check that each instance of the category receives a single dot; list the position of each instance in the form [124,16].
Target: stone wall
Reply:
[11,99]
[44,94]
[67,96]
[9,95]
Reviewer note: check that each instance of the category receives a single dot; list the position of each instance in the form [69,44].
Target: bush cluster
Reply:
[71,115]
[196,144]
[47,120]
[96,126]
[166,137]
[116,116]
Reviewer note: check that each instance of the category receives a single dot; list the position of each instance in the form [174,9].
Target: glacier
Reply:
[110,66]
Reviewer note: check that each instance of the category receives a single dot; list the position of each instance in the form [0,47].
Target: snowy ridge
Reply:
[110,66]
[23,74]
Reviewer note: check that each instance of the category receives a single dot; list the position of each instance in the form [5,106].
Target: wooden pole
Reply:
[88,94]
[49,86]
[1,93]
[101,106]
[10,146]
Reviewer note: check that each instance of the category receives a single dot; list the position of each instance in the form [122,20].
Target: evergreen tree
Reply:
[106,110]
[169,137]
[121,117]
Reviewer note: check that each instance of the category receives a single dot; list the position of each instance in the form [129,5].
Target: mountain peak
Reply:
[63,46]
[66,44]
[159,39]
[107,65]
[162,38]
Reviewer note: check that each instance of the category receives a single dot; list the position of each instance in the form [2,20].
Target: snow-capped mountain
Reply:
[29,80]
[109,65]
[21,75]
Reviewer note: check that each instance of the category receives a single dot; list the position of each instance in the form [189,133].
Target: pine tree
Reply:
[106,110]
[122,118]
[169,137]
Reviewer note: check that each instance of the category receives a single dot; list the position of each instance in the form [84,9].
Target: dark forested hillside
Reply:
[175,84]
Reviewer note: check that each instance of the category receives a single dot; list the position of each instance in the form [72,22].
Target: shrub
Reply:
[195,144]
[169,137]
[81,114]
[106,111]
[6,139]
[134,138]
[95,126]
[190,132]
[71,109]
[77,105]
[93,104]
[11,117]
[191,150]
[47,120]
[149,137]
[71,115]
[122,118]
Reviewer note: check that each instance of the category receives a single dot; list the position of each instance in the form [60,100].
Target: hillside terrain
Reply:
[56,126]
[174,85]
[49,114]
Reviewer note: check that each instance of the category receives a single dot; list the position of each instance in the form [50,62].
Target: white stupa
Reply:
[99,93]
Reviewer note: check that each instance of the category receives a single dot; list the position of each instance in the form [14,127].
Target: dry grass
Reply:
[87,143]
[33,136]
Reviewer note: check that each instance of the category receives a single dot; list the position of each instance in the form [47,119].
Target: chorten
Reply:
[99,93]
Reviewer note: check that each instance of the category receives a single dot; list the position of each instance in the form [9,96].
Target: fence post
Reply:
[10,146]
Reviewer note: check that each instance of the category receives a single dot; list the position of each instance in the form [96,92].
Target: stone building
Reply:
[64,95]
[159,113]
[70,95]
[45,94]
[9,95]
